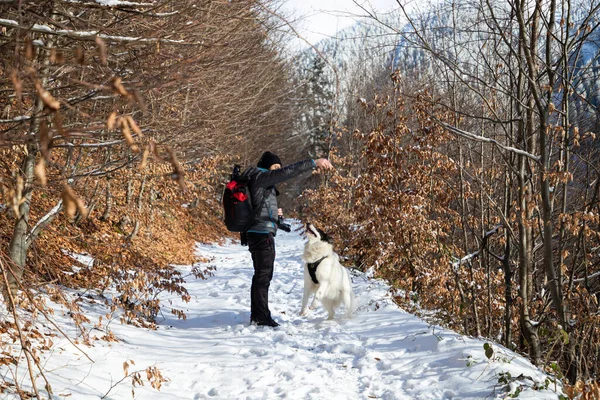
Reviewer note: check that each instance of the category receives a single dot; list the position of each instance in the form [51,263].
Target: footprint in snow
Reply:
[259,352]
[279,337]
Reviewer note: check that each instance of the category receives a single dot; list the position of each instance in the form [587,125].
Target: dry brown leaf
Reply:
[45,139]
[112,120]
[101,50]
[58,125]
[144,162]
[18,85]
[29,50]
[79,54]
[177,174]
[127,135]
[40,172]
[134,125]
[48,100]
[69,204]
[118,85]
[72,202]
[56,57]
[15,196]
[154,150]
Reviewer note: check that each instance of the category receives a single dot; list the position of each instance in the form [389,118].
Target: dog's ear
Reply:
[324,237]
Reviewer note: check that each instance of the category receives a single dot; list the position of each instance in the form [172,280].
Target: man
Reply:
[260,236]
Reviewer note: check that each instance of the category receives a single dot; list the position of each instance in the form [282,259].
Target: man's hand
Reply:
[323,163]
[282,225]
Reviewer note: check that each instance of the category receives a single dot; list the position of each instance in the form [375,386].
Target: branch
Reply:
[44,222]
[88,3]
[10,302]
[25,344]
[101,144]
[45,314]
[20,118]
[88,35]
[483,245]
[112,4]
[477,138]
[99,171]
[592,276]
[463,260]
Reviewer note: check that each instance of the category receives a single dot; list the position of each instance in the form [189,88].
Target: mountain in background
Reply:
[361,58]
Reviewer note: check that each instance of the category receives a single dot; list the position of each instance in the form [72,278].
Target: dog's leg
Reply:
[348,300]
[313,304]
[323,287]
[329,306]
[305,297]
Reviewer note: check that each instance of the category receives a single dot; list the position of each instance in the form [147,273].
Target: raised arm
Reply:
[270,178]
[274,177]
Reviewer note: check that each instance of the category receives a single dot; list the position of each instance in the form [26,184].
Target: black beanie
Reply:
[268,159]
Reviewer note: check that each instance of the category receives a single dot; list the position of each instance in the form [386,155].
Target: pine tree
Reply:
[320,100]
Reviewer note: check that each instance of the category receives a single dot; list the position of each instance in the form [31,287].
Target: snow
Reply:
[85,35]
[456,264]
[19,118]
[382,352]
[8,22]
[116,3]
[85,259]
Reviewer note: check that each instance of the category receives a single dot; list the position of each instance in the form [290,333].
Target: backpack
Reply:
[237,203]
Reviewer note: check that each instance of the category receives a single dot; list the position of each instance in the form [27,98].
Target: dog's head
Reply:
[315,234]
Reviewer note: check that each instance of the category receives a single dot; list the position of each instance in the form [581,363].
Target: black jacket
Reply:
[262,186]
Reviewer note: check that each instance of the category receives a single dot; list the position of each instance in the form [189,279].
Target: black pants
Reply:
[262,248]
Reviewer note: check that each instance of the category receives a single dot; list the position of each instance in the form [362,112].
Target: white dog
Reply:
[324,275]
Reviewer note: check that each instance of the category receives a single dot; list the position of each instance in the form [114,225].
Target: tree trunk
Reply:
[465,243]
[525,190]
[129,195]
[19,243]
[108,205]
[507,271]
[141,193]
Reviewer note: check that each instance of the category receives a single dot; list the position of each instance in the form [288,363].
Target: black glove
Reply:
[282,225]
[243,239]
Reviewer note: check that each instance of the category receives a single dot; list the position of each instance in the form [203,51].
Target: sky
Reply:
[319,19]
[382,352]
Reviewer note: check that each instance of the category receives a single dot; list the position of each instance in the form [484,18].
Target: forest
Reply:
[464,136]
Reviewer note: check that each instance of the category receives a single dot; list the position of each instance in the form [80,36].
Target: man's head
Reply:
[269,161]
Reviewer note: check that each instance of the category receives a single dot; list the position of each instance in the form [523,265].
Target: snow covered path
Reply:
[381,353]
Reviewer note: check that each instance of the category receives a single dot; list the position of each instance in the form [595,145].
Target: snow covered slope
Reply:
[382,353]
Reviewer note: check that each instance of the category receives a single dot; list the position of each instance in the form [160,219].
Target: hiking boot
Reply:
[272,323]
